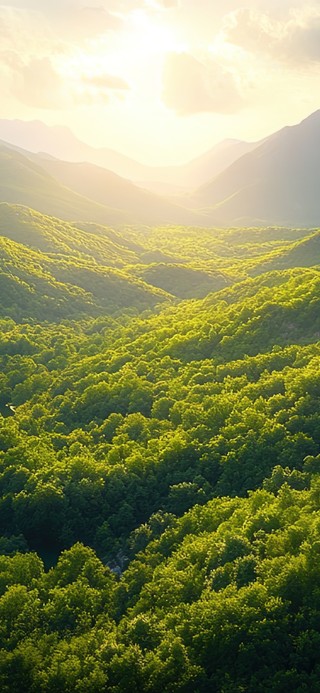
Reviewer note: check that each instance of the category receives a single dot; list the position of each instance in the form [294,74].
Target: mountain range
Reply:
[61,143]
[83,191]
[272,182]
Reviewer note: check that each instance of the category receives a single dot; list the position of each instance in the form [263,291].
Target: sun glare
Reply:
[134,56]
[150,37]
[143,43]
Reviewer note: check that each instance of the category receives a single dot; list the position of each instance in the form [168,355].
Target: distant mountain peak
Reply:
[60,142]
[275,183]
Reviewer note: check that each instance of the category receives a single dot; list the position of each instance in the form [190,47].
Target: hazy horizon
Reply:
[161,81]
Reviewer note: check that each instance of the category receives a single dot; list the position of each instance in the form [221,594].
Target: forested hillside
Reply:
[159,458]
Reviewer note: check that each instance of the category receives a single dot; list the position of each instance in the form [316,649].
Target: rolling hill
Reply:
[303,253]
[39,286]
[159,470]
[181,280]
[161,257]
[52,235]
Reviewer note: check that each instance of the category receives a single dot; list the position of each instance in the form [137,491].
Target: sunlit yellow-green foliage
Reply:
[183,262]
[42,286]
[159,460]
[52,235]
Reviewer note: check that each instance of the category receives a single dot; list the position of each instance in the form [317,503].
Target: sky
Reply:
[160,80]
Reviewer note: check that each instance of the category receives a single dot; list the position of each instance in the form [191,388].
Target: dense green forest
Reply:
[159,458]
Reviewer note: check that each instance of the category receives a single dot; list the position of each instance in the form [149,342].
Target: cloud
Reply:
[36,83]
[295,41]
[32,55]
[64,20]
[303,40]
[105,82]
[27,57]
[191,86]
[88,22]
[16,23]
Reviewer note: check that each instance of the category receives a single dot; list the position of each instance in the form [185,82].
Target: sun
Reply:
[135,55]
[149,36]
[141,46]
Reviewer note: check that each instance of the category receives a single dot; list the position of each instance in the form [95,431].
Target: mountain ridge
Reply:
[274,183]
[60,142]
[23,180]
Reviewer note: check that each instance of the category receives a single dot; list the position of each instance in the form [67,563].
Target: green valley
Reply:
[159,457]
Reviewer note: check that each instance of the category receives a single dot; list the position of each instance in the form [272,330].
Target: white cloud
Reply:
[295,40]
[65,21]
[101,87]
[87,22]
[191,86]
[34,58]
[105,81]
[36,83]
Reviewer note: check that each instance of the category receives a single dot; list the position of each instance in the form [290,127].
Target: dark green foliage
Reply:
[181,281]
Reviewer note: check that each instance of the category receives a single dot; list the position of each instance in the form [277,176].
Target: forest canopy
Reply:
[159,458]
